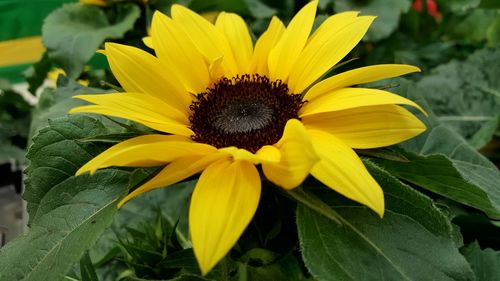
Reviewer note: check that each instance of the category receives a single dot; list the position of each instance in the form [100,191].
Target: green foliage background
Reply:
[442,189]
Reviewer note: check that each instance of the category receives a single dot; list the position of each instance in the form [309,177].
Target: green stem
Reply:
[314,203]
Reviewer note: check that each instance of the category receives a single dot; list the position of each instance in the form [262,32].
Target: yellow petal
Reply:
[140,72]
[215,69]
[174,48]
[333,24]
[148,41]
[347,98]
[146,151]
[283,56]
[176,171]
[267,153]
[207,39]
[164,125]
[297,157]
[151,107]
[326,49]
[359,76]
[264,45]
[140,108]
[236,31]
[369,126]
[223,203]
[342,170]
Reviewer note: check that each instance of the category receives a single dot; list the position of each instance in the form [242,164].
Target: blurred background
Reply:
[455,43]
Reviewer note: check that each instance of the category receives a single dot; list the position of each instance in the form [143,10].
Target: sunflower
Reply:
[223,106]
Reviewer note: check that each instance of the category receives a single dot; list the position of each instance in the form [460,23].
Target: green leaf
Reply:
[485,263]
[465,96]
[67,213]
[72,216]
[183,259]
[56,154]
[173,203]
[54,103]
[74,32]
[475,179]
[445,176]
[413,241]
[388,13]
[87,269]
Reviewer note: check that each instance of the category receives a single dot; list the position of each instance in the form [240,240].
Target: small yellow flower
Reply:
[94,2]
[223,105]
[54,74]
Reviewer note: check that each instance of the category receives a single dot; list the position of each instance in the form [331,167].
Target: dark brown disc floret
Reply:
[247,111]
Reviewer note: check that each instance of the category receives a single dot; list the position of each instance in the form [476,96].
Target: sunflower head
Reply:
[247,112]
[223,105]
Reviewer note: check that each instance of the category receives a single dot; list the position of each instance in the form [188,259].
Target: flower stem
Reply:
[314,203]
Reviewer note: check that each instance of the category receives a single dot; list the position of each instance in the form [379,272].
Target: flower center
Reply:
[247,111]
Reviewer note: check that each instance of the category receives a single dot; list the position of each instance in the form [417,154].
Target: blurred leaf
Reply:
[9,152]
[15,117]
[475,27]
[388,13]
[484,135]
[260,10]
[490,4]
[259,256]
[465,96]
[13,105]
[67,213]
[184,277]
[493,33]
[87,270]
[36,74]
[460,5]
[264,265]
[74,32]
[485,263]
[413,241]
[246,8]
